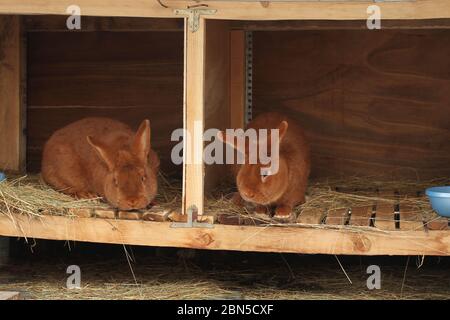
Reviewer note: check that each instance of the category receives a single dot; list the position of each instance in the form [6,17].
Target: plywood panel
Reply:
[372,103]
[12,140]
[217,89]
[237,78]
[58,23]
[124,75]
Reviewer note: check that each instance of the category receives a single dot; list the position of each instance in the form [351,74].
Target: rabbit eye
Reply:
[264,177]
[143,178]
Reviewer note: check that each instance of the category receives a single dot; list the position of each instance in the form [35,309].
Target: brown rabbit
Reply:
[103,157]
[287,187]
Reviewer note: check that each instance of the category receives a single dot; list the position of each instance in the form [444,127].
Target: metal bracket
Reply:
[193,16]
[191,220]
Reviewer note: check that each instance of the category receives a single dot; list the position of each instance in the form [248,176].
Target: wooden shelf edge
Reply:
[224,237]
[235,10]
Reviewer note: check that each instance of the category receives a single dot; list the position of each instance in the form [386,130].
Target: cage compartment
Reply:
[215,96]
[373,105]
[125,69]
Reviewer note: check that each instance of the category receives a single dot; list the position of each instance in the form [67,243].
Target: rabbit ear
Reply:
[229,140]
[223,137]
[102,151]
[141,142]
[282,128]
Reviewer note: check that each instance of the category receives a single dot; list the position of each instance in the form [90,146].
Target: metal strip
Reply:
[248,77]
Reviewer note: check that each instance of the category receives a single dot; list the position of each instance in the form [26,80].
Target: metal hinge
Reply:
[191,220]
[193,16]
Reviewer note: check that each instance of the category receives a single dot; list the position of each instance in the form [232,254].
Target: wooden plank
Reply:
[217,90]
[385,217]
[229,219]
[243,220]
[361,216]
[9,295]
[310,216]
[81,212]
[410,218]
[251,25]
[239,10]
[237,79]
[437,223]
[156,214]
[312,78]
[193,169]
[45,23]
[12,111]
[130,215]
[337,216]
[221,237]
[105,213]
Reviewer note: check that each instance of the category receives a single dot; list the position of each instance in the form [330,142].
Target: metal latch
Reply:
[191,220]
[193,16]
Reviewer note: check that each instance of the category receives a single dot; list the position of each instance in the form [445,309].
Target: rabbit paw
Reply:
[283,211]
[237,199]
[261,209]
[86,195]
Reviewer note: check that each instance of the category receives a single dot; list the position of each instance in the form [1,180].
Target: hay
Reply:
[344,193]
[30,195]
[231,277]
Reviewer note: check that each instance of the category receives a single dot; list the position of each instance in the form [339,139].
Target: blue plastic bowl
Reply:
[440,200]
[2,176]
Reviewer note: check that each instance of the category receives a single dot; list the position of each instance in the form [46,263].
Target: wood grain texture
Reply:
[127,76]
[286,25]
[438,223]
[241,238]
[241,10]
[410,218]
[12,139]
[361,216]
[237,79]
[58,23]
[310,216]
[372,103]
[337,216]
[217,90]
[385,217]
[194,117]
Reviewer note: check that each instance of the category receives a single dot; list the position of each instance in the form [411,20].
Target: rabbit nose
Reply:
[133,202]
[248,194]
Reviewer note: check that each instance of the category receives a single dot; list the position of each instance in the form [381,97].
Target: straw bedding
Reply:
[228,277]
[30,195]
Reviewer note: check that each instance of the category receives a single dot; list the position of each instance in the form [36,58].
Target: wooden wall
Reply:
[217,90]
[372,102]
[12,118]
[128,76]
